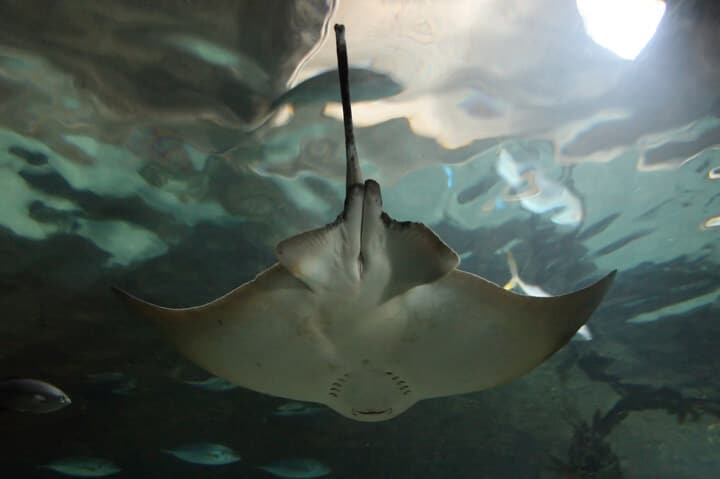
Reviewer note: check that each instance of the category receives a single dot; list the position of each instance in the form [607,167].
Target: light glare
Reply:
[622,26]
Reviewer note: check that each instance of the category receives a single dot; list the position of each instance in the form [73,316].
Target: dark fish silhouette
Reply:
[31,395]
[322,88]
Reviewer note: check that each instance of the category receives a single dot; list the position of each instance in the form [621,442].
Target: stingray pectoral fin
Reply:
[417,256]
[398,256]
[466,334]
[261,336]
[327,258]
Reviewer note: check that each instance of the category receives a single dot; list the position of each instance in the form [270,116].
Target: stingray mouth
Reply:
[371,412]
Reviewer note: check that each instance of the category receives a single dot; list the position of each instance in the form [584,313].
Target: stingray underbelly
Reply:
[299,359]
[367,362]
[293,365]
[284,341]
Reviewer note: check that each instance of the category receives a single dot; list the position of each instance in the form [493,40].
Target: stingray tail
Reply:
[353,173]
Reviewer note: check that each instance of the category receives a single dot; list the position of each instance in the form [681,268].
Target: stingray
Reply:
[369,315]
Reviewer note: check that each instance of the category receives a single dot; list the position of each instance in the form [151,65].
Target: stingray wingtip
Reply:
[606,282]
[610,277]
[127,297]
[120,292]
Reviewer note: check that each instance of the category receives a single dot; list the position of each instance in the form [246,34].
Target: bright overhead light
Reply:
[622,26]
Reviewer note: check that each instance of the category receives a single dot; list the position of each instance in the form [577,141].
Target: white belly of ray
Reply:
[369,315]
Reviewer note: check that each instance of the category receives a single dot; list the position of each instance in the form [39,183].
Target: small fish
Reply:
[583,333]
[205,453]
[323,88]
[34,158]
[508,246]
[622,242]
[597,227]
[713,222]
[297,468]
[466,255]
[295,408]
[212,384]
[245,70]
[83,467]
[714,174]
[536,193]
[477,189]
[31,395]
[676,309]
[113,382]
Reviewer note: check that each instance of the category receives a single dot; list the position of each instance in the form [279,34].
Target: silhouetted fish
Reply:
[475,190]
[295,408]
[597,227]
[622,242]
[33,158]
[297,468]
[323,88]
[213,384]
[206,453]
[83,467]
[31,395]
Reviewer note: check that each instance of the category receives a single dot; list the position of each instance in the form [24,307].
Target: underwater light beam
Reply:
[622,26]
